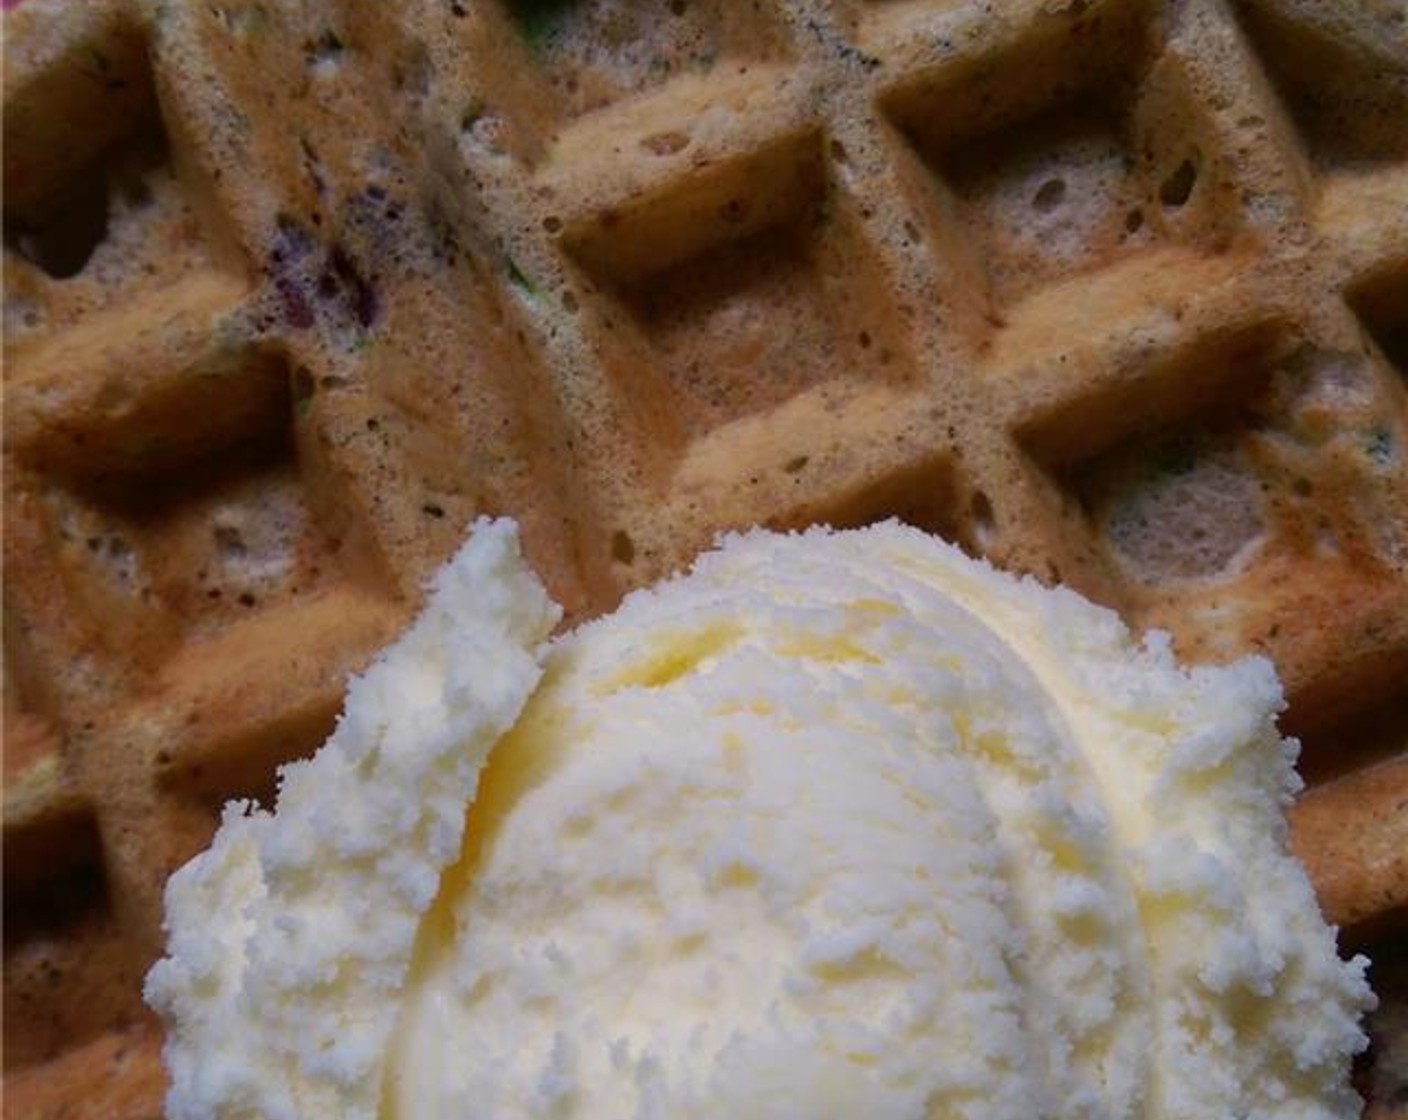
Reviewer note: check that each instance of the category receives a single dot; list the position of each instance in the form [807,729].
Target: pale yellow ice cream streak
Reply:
[766,656]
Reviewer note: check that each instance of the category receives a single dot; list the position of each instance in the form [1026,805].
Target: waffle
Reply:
[1111,292]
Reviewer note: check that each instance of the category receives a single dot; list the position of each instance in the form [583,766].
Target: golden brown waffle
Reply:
[1112,292]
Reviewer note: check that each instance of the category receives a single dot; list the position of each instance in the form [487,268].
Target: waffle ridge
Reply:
[1114,292]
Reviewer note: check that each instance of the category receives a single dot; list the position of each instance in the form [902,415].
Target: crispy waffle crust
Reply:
[1112,292]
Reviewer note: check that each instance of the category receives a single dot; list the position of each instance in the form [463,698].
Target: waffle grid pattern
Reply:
[1113,292]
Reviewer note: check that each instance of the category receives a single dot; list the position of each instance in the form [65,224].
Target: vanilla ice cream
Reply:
[838,825]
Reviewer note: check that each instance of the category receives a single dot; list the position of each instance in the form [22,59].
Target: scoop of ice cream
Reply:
[838,825]
[289,939]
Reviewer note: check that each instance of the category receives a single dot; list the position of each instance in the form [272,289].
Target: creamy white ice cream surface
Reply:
[838,825]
